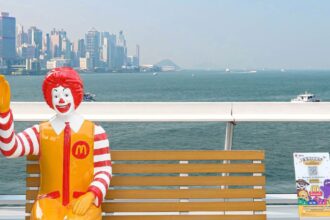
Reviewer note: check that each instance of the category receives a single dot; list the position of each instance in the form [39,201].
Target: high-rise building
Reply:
[35,38]
[7,38]
[121,39]
[85,63]
[112,52]
[137,55]
[81,49]
[26,51]
[108,49]
[66,48]
[62,33]
[46,46]
[132,62]
[120,52]
[21,36]
[105,49]
[55,43]
[93,46]
[57,62]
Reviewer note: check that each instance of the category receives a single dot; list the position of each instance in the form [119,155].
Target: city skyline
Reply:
[198,34]
[33,51]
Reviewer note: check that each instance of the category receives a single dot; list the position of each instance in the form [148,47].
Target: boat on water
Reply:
[227,70]
[89,97]
[305,97]
[155,74]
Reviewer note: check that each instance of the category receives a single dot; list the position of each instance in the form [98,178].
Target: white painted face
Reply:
[63,101]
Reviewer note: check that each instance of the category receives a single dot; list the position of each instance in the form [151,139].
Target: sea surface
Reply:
[279,140]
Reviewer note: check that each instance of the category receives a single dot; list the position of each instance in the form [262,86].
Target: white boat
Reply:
[89,97]
[306,97]
[227,70]
[155,74]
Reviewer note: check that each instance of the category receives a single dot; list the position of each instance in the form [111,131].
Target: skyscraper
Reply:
[81,49]
[46,46]
[113,41]
[21,36]
[7,38]
[93,46]
[66,48]
[35,38]
[108,50]
[137,55]
[55,43]
[120,52]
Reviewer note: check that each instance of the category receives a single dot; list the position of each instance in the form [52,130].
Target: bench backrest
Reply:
[183,185]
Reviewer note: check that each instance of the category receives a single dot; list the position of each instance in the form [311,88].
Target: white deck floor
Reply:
[12,207]
[287,212]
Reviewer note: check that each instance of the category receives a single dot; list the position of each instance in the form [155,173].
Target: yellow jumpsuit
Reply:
[66,171]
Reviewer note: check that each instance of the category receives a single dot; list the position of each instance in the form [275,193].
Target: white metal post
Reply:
[229,135]
[228,142]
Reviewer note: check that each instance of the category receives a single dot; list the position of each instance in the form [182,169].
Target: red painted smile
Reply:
[63,108]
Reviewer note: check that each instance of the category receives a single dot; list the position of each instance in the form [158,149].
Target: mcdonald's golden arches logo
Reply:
[315,190]
[80,150]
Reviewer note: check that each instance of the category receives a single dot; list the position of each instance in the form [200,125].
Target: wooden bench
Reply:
[178,185]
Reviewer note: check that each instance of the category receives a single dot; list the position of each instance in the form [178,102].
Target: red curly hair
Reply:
[67,78]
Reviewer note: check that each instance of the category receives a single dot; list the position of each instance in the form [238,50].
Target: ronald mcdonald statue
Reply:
[74,155]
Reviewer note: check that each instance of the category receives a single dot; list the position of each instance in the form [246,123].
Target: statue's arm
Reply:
[102,165]
[14,145]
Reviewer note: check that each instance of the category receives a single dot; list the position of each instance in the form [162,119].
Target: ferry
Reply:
[89,97]
[306,97]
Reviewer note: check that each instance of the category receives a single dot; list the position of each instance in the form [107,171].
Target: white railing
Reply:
[230,112]
[184,111]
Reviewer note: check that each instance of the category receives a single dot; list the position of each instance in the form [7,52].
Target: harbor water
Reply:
[279,140]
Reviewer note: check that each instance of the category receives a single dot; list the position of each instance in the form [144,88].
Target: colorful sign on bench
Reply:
[313,183]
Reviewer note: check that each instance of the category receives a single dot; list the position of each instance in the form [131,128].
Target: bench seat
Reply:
[178,185]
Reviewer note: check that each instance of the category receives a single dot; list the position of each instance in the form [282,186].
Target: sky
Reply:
[197,34]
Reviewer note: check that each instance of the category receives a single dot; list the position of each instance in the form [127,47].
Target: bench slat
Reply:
[187,155]
[175,194]
[187,217]
[188,168]
[181,155]
[176,206]
[175,168]
[185,194]
[187,180]
[176,181]
[182,206]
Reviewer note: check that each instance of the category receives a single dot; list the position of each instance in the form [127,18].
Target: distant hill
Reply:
[167,63]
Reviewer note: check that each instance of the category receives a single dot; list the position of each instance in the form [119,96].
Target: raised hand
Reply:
[4,95]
